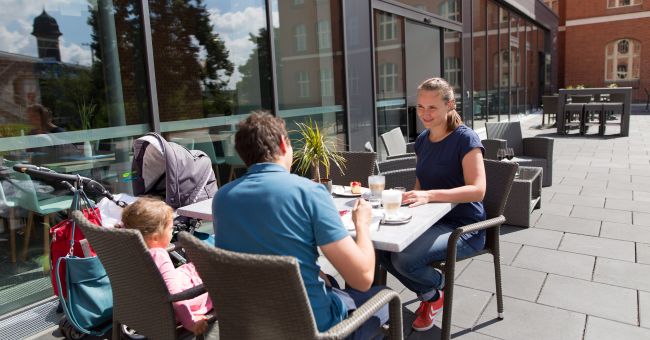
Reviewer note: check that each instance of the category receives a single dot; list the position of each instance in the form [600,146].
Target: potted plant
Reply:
[316,147]
[86,114]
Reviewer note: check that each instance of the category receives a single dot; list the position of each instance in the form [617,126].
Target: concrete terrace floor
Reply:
[583,270]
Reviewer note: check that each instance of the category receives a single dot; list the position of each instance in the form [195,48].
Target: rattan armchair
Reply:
[531,151]
[499,177]
[264,297]
[397,164]
[358,166]
[404,178]
[140,297]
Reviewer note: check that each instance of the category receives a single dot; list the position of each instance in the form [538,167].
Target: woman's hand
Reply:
[415,197]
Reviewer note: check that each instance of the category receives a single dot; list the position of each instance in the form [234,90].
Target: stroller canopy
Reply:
[169,170]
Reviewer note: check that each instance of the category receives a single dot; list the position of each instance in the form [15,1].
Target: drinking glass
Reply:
[376,184]
[501,154]
[391,200]
[510,153]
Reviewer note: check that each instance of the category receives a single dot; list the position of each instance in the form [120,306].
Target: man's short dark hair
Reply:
[258,137]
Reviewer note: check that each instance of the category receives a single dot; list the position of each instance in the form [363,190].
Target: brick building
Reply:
[604,42]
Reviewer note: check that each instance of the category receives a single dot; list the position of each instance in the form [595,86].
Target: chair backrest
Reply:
[140,296]
[499,176]
[394,142]
[397,164]
[550,104]
[256,296]
[617,97]
[510,131]
[400,178]
[358,166]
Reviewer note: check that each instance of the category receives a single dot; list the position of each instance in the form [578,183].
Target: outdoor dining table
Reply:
[394,238]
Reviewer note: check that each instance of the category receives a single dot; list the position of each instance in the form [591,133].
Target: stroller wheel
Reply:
[69,331]
[130,333]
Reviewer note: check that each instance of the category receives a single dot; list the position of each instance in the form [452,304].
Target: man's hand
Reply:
[361,214]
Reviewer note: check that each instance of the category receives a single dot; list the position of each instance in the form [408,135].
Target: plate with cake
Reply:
[353,190]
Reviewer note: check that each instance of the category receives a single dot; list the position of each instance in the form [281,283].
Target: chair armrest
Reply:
[187,294]
[539,147]
[410,147]
[408,154]
[365,312]
[492,145]
[482,225]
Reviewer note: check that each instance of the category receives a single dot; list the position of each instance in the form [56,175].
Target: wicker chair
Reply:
[263,296]
[404,178]
[358,166]
[140,297]
[499,177]
[397,164]
[531,151]
[549,104]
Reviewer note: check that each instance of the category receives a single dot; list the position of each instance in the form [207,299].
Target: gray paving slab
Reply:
[609,302]
[467,307]
[584,182]
[578,174]
[621,185]
[643,253]
[516,282]
[527,320]
[598,329]
[568,224]
[643,196]
[602,214]
[640,218]
[624,231]
[622,273]
[621,204]
[587,201]
[508,251]
[598,246]
[607,193]
[589,169]
[564,188]
[555,209]
[555,261]
[642,180]
[532,236]
[644,309]
[608,177]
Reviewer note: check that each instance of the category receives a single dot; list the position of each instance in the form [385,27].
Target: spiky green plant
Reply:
[86,113]
[316,147]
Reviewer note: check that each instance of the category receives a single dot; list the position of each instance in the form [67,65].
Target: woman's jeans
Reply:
[411,266]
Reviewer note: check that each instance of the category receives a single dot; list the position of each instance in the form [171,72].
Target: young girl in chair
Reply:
[154,219]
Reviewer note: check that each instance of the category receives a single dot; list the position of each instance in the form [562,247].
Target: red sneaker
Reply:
[427,312]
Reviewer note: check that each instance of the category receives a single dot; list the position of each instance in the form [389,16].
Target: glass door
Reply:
[406,52]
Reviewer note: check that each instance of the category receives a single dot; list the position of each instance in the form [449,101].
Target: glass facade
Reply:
[80,80]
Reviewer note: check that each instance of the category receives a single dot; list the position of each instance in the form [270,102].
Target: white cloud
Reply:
[74,54]
[13,41]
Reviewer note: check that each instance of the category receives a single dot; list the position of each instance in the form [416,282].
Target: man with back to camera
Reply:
[273,212]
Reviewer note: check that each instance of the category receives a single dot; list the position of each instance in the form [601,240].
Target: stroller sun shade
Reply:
[168,170]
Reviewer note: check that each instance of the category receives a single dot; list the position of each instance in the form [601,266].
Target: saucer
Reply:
[345,191]
[399,218]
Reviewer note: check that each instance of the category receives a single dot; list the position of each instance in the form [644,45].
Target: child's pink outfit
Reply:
[178,280]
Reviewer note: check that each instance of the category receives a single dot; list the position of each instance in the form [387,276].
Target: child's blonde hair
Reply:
[149,215]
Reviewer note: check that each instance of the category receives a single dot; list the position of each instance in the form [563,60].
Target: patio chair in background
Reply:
[499,177]
[549,104]
[530,151]
[397,164]
[395,145]
[358,166]
[404,178]
[140,297]
[263,296]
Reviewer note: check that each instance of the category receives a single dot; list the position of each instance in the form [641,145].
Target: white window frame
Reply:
[387,27]
[630,59]
[621,3]
[454,13]
[302,80]
[326,82]
[324,30]
[300,37]
[388,77]
[452,70]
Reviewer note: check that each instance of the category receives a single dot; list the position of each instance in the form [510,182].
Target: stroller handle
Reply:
[48,175]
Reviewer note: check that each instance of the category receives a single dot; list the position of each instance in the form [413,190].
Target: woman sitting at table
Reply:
[449,169]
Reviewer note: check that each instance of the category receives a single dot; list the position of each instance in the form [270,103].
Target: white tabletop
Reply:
[389,237]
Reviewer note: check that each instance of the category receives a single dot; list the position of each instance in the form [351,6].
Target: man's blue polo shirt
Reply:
[270,211]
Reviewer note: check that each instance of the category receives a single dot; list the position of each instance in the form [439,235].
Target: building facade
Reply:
[109,71]
[604,43]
